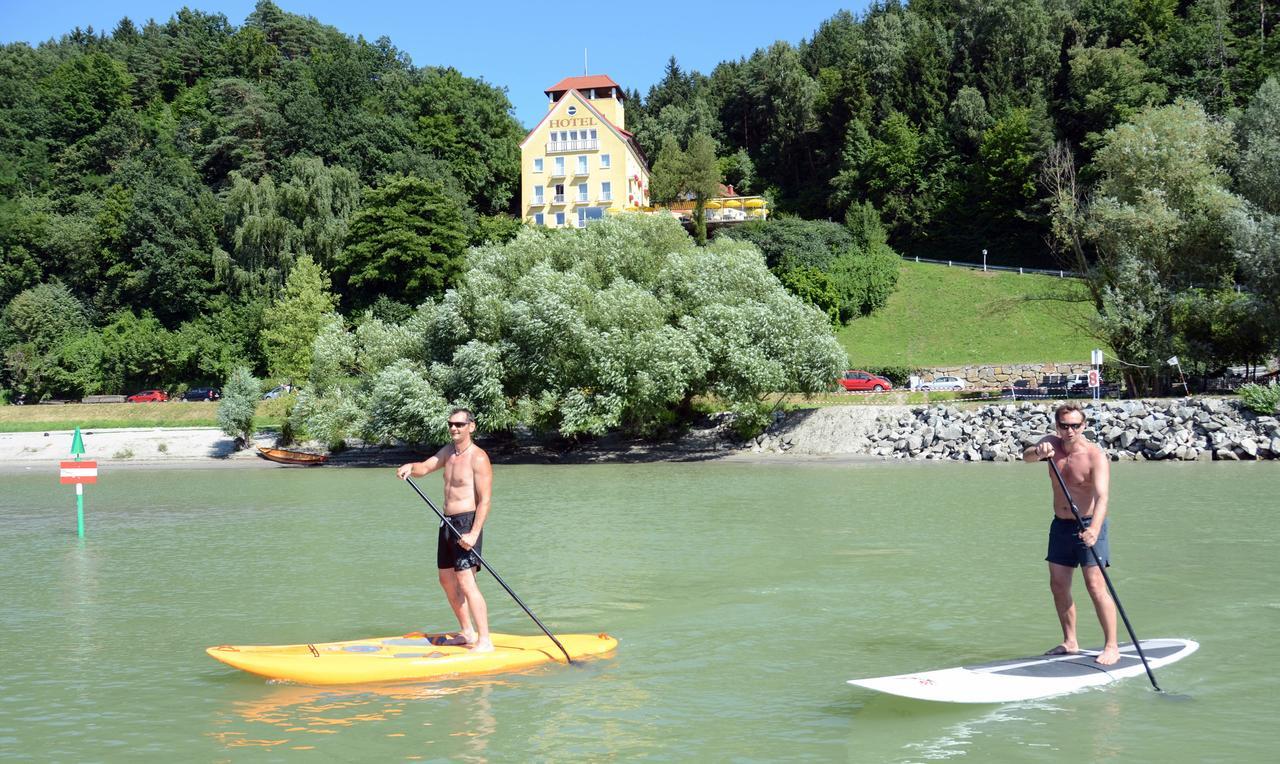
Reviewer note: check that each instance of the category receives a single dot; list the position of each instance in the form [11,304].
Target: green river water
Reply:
[743,595]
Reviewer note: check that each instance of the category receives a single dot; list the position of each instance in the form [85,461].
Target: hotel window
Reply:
[593,135]
[537,165]
[560,218]
[559,197]
[539,219]
[587,214]
[604,162]
[582,192]
[582,165]
[537,195]
[559,170]
[606,191]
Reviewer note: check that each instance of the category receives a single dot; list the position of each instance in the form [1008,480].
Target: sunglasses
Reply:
[458,424]
[1070,425]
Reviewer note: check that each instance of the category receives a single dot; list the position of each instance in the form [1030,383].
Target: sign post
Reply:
[79,473]
[1095,374]
[1174,362]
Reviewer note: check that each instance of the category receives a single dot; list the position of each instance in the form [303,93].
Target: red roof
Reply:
[583,83]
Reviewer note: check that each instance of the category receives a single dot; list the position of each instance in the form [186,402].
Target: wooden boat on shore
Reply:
[284,456]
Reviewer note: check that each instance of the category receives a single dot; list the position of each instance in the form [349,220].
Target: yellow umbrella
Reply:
[713,205]
[754,203]
[731,203]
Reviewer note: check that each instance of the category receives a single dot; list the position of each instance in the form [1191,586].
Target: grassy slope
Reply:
[941,316]
[109,415]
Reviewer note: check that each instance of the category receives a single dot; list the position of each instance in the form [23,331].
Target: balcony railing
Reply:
[559,147]
[557,172]
[557,199]
[538,201]
[606,197]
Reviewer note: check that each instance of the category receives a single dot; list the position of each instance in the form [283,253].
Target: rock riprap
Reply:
[1186,430]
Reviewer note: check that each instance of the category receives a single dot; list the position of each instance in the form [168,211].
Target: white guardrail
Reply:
[1060,273]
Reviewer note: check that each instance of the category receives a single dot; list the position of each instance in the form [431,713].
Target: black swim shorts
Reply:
[1066,548]
[450,554]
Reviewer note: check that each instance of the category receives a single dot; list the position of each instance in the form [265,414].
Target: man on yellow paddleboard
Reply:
[468,483]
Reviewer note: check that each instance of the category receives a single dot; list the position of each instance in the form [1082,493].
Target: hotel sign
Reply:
[574,122]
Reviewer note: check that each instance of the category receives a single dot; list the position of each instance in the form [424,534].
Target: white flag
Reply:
[1172,361]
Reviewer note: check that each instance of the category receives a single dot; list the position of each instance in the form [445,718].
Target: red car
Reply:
[147,396]
[856,380]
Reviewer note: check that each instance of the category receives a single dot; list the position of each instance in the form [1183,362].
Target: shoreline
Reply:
[1181,430]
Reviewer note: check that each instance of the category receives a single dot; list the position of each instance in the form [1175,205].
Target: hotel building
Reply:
[579,161]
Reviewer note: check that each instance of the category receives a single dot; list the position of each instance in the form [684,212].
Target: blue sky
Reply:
[523,46]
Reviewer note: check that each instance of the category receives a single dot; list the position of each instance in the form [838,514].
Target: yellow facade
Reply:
[579,162]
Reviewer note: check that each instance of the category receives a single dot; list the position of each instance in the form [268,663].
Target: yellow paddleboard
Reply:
[413,657]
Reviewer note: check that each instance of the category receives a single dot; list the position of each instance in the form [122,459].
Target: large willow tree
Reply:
[618,326]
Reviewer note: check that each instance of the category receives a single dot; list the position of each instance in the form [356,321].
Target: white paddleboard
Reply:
[1028,678]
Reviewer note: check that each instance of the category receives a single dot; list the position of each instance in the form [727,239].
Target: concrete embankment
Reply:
[1198,429]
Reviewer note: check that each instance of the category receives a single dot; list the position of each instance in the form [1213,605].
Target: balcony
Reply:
[538,201]
[557,199]
[605,198]
[560,147]
[556,172]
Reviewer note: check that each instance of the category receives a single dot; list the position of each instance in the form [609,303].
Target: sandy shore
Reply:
[833,434]
[141,447]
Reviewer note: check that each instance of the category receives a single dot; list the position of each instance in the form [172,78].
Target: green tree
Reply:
[1107,86]
[32,326]
[238,405]
[468,124]
[82,94]
[406,242]
[293,321]
[1160,222]
[1010,156]
[619,325]
[1258,133]
[691,173]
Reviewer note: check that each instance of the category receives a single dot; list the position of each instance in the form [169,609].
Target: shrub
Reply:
[844,273]
[1261,399]
[617,326]
[900,376]
[239,402]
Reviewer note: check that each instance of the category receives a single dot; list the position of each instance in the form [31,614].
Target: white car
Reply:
[944,383]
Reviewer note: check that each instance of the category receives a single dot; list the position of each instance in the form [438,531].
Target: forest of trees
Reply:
[942,113]
[184,198]
[159,184]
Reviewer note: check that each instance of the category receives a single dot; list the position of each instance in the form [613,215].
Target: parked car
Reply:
[148,396]
[944,383]
[1020,387]
[857,380]
[277,391]
[202,394]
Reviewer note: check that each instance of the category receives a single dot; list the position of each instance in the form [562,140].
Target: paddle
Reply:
[489,568]
[1115,597]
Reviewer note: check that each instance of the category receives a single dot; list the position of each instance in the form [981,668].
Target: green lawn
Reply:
[943,316]
[102,416]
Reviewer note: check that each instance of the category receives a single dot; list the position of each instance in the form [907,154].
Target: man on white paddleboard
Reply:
[468,483]
[1087,473]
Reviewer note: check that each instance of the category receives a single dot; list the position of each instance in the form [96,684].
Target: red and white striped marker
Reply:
[79,472]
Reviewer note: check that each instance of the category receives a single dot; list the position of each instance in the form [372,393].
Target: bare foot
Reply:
[1108,656]
[483,645]
[468,638]
[1066,648]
